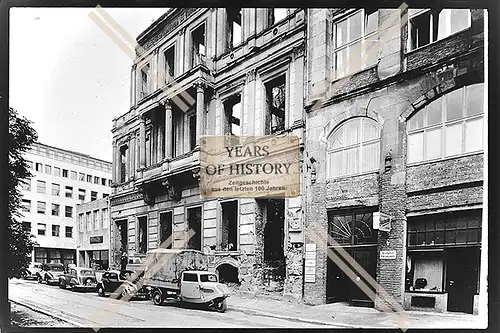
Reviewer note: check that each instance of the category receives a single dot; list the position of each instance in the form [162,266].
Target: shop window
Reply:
[233,110]
[26,184]
[233,26]
[55,209]
[81,194]
[229,226]
[81,177]
[166,223]
[40,207]
[89,178]
[26,205]
[40,186]
[426,26]
[192,131]
[198,40]
[425,271]
[93,196]
[41,227]
[65,173]
[68,232]
[57,171]
[48,169]
[68,211]
[354,148]
[356,42]
[275,105]
[145,81]
[55,230]
[27,227]
[169,59]
[73,175]
[449,126]
[351,228]
[143,234]
[276,15]
[68,192]
[38,167]
[56,188]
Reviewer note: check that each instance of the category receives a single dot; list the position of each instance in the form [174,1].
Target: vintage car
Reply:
[78,278]
[121,284]
[50,273]
[31,271]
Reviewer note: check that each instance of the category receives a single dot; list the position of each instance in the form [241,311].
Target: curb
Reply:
[37,309]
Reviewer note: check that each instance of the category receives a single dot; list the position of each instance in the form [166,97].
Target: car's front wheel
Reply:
[39,279]
[62,285]
[221,306]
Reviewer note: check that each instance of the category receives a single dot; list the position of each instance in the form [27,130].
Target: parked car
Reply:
[120,284]
[50,273]
[78,278]
[31,271]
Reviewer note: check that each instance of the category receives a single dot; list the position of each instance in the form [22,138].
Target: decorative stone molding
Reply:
[251,75]
[299,50]
[172,190]
[166,102]
[200,85]
[196,174]
[126,199]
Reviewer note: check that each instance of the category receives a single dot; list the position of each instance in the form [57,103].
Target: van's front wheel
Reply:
[157,297]
[221,306]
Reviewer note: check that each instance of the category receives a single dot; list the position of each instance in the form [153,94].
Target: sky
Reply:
[69,77]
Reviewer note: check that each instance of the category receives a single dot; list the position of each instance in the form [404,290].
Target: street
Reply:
[89,310]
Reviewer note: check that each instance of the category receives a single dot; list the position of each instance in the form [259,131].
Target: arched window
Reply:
[449,126]
[354,148]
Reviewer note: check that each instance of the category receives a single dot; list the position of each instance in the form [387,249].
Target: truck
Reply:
[183,275]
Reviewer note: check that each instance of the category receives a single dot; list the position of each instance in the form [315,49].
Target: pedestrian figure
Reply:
[123,259]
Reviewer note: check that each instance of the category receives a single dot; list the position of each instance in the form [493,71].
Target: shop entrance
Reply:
[351,239]
[462,278]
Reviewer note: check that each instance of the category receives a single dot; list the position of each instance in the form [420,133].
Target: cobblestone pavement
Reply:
[89,310]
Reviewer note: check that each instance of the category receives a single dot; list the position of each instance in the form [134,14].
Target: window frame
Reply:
[41,229]
[55,208]
[442,125]
[360,144]
[39,186]
[198,55]
[145,87]
[56,230]
[228,105]
[66,211]
[332,213]
[38,207]
[364,37]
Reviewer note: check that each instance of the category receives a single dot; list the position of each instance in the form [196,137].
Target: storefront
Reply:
[442,265]
[52,255]
[96,259]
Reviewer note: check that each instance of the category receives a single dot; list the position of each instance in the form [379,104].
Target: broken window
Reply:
[233,110]
[234,37]
[145,78]
[123,163]
[426,26]
[143,234]
[274,235]
[194,227]
[276,15]
[229,226]
[198,38]
[275,100]
[169,57]
[356,41]
[166,238]
[192,131]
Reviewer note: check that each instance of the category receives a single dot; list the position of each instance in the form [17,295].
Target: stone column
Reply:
[133,83]
[168,129]
[200,110]
[142,147]
[115,162]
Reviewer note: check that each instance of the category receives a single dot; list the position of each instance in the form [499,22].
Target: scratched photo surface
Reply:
[249,168]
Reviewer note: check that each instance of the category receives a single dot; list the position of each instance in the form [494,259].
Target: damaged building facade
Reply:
[210,71]
[394,150]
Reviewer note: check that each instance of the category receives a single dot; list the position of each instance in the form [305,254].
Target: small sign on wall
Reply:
[310,278]
[388,254]
[310,263]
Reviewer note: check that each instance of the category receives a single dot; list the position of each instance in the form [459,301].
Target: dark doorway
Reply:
[229,226]
[194,225]
[228,274]
[461,278]
[274,234]
[143,234]
[166,230]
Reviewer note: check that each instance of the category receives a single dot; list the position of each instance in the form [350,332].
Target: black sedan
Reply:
[121,284]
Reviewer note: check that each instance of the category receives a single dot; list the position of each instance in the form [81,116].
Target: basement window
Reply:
[275,102]
[232,109]
[229,226]
[198,38]
[169,58]
[426,26]
[234,31]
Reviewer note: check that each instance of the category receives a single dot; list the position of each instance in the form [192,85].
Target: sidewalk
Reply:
[343,315]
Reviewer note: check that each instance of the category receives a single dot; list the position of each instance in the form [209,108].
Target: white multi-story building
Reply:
[61,180]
